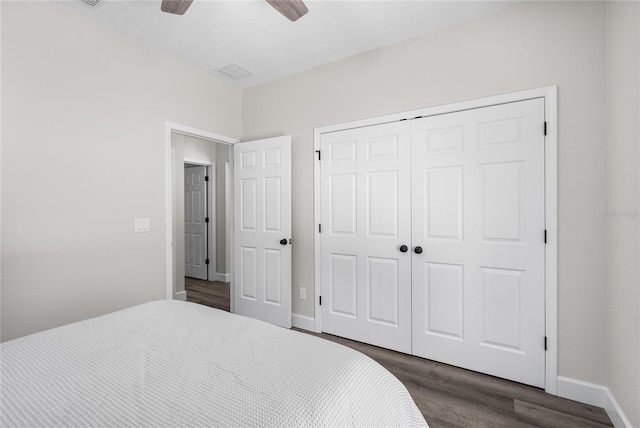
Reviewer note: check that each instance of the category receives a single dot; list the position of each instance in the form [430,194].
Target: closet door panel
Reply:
[365,204]
[478,216]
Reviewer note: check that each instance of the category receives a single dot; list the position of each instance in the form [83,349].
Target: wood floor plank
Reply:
[544,417]
[447,396]
[210,293]
[491,391]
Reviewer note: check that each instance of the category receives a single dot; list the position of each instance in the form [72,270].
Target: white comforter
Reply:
[173,364]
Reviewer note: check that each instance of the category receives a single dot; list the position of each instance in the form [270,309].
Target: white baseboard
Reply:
[303,322]
[584,392]
[181,295]
[595,395]
[617,416]
[222,277]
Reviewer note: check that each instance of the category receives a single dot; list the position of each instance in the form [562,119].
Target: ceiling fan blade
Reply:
[178,7]
[292,9]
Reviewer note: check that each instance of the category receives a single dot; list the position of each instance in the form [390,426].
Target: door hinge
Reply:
[320,299]
[206,220]
[319,228]
[545,128]
[545,343]
[206,178]
[545,236]
[318,152]
[206,261]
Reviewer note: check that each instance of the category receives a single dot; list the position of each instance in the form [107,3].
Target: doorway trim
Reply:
[170,127]
[550,96]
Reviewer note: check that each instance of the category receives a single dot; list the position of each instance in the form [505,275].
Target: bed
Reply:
[177,364]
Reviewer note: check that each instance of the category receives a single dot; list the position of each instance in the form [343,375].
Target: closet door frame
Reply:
[549,95]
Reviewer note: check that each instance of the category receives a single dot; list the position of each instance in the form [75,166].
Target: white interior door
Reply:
[365,203]
[478,216]
[262,229]
[195,227]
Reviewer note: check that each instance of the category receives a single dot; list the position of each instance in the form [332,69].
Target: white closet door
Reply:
[195,228]
[262,229]
[478,215]
[365,203]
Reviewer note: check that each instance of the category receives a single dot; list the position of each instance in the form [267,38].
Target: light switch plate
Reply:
[142,225]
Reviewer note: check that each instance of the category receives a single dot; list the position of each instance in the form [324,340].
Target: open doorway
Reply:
[202,283]
[200,220]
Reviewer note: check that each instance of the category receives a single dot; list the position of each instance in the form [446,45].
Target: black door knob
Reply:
[283,241]
[417,250]
[403,248]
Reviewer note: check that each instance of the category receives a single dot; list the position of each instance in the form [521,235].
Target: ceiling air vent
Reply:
[235,71]
[92,3]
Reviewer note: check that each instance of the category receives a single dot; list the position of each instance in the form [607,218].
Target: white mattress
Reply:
[172,364]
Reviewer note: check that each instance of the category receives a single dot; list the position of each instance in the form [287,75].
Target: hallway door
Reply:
[195,221]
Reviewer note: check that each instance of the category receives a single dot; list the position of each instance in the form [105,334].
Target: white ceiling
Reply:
[216,33]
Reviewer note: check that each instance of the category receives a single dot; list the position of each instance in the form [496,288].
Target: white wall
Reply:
[529,45]
[83,154]
[623,228]
[223,215]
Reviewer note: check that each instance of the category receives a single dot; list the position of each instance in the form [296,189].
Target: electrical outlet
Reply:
[303,294]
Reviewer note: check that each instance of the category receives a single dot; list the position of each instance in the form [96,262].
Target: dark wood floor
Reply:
[449,396]
[209,293]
